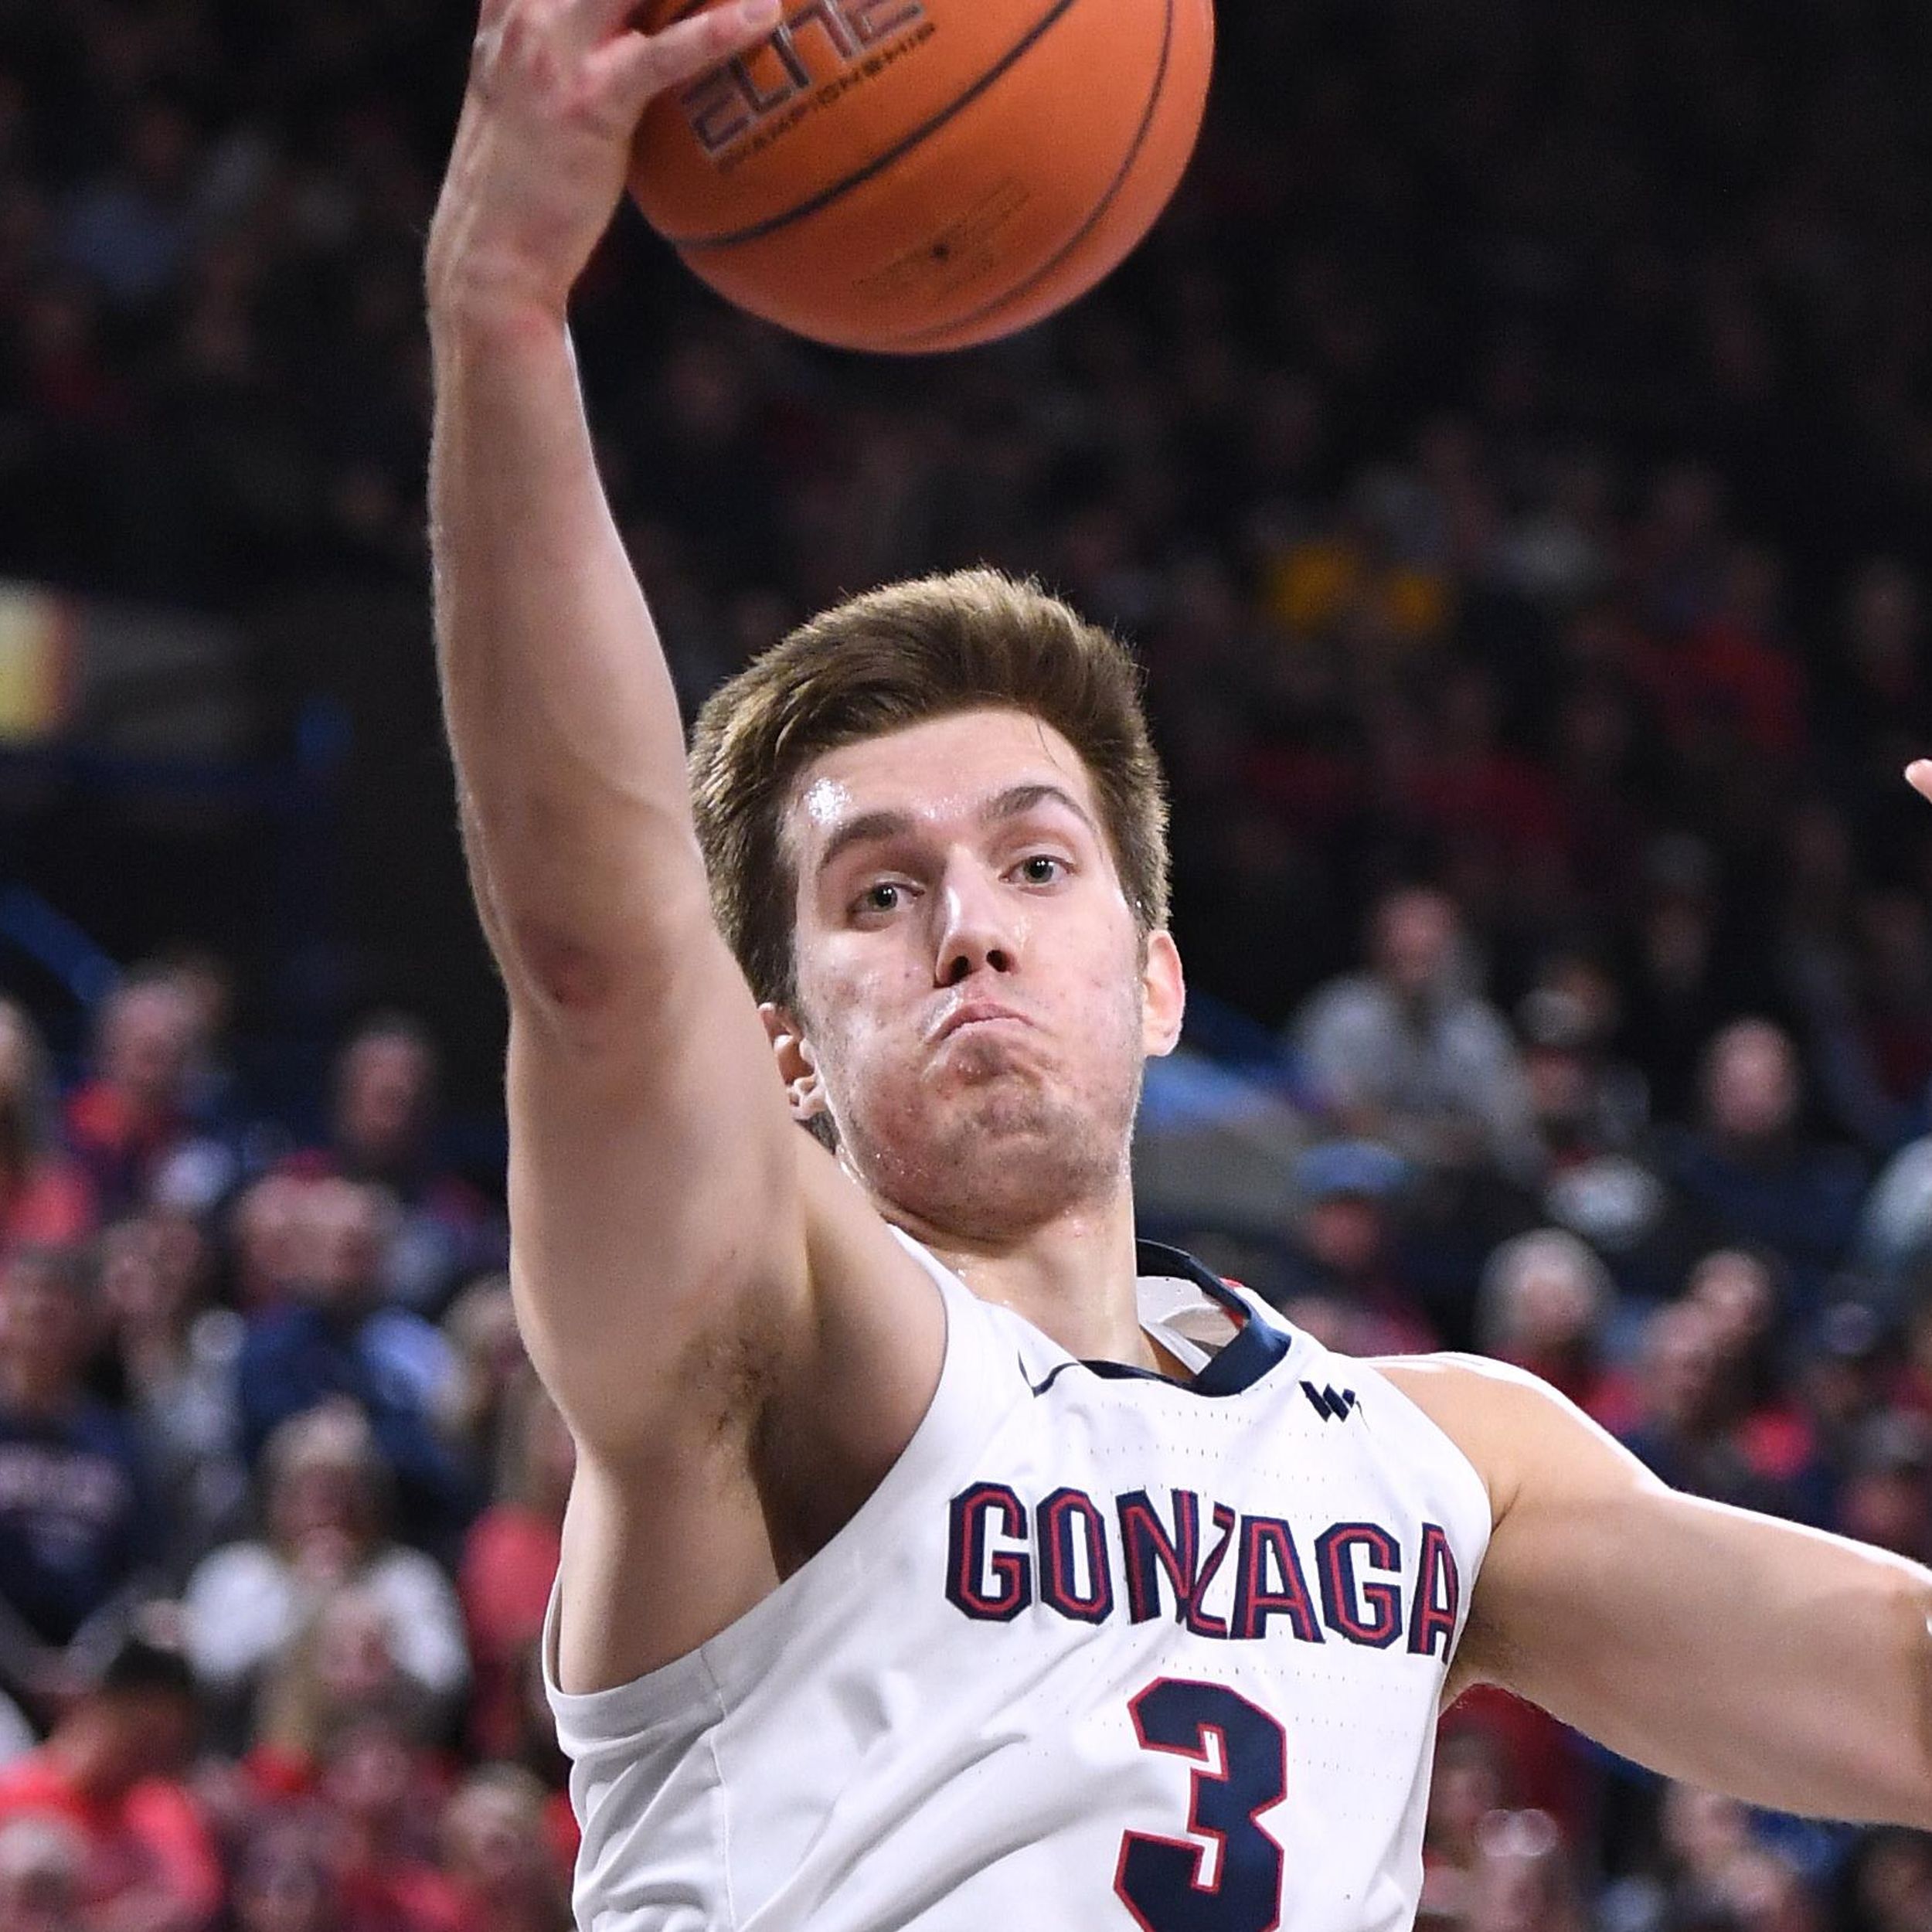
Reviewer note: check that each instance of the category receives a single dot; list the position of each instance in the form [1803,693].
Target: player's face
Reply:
[975,1001]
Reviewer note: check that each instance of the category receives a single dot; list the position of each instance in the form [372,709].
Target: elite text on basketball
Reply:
[811,48]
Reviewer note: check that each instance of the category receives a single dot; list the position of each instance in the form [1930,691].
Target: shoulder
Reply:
[1499,1415]
[1479,1393]
[1525,1439]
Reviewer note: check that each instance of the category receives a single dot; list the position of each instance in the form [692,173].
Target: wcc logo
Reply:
[820,49]
[1331,1405]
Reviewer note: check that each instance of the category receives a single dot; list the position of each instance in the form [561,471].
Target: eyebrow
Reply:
[872,828]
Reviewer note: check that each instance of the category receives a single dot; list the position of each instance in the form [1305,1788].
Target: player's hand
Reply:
[1918,775]
[556,92]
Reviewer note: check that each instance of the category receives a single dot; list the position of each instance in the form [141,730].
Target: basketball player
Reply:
[922,1567]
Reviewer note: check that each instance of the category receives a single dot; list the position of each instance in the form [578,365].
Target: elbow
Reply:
[591,990]
[580,970]
[580,927]
[567,974]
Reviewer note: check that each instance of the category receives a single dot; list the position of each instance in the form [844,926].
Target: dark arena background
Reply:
[1512,456]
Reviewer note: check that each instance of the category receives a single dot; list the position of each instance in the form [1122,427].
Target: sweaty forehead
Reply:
[943,770]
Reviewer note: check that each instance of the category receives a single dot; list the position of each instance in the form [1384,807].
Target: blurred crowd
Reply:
[1512,456]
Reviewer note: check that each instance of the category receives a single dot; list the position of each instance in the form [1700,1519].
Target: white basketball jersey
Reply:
[1102,1650]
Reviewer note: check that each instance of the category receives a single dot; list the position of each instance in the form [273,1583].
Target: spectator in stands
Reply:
[1843,1377]
[282,1883]
[1410,1054]
[382,1129]
[336,1337]
[497,1858]
[510,1561]
[168,1359]
[488,1348]
[129,228]
[45,1197]
[1749,1168]
[1584,1102]
[1893,1249]
[1684,972]
[109,1772]
[129,1125]
[266,1246]
[1741,1290]
[1886,1499]
[1891,1888]
[1345,1250]
[1911,1388]
[341,1666]
[1589,1111]
[78,1524]
[1469,1782]
[1543,1305]
[1681,1428]
[211,1089]
[383,1811]
[1522,1879]
[325,1506]
[1711,1873]
[43,1861]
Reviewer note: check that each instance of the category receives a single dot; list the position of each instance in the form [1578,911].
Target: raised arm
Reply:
[569,750]
[659,1192]
[1789,1668]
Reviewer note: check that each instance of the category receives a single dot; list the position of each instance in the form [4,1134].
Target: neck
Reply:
[1072,1278]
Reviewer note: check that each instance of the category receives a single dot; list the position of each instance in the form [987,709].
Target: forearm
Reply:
[569,749]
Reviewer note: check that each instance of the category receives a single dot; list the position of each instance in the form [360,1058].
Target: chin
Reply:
[996,1162]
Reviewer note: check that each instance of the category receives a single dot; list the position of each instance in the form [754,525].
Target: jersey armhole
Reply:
[965,1409]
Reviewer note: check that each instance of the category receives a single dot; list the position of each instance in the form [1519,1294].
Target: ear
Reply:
[1164,996]
[797,1065]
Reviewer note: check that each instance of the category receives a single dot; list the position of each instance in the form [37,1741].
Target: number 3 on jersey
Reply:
[1231,1881]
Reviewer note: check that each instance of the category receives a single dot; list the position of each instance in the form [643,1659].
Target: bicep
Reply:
[1785,1666]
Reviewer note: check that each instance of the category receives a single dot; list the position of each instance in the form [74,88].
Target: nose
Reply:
[978,932]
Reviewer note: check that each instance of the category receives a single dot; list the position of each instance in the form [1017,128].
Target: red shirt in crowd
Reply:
[509,1562]
[52,1205]
[152,1840]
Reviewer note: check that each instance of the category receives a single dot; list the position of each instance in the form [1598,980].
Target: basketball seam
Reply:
[1035,276]
[879,163]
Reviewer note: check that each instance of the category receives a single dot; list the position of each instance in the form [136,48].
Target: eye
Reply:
[1042,869]
[883,895]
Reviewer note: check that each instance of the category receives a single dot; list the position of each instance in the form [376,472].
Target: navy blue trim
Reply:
[1256,1348]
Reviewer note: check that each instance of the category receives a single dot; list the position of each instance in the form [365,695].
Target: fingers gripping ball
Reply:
[921,174]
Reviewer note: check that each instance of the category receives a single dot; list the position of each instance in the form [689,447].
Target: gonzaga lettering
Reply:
[999,1547]
[1103,1649]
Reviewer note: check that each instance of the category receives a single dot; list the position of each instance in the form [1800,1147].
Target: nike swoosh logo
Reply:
[1052,1376]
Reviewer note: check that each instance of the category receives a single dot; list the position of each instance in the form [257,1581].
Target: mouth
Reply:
[971,1015]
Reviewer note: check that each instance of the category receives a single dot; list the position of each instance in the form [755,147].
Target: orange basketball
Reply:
[918,175]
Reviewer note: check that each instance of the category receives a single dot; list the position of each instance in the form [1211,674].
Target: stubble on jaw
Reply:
[1000,1153]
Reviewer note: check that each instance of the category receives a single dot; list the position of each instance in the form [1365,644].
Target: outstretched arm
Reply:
[1786,1666]
[669,1224]
[626,1016]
